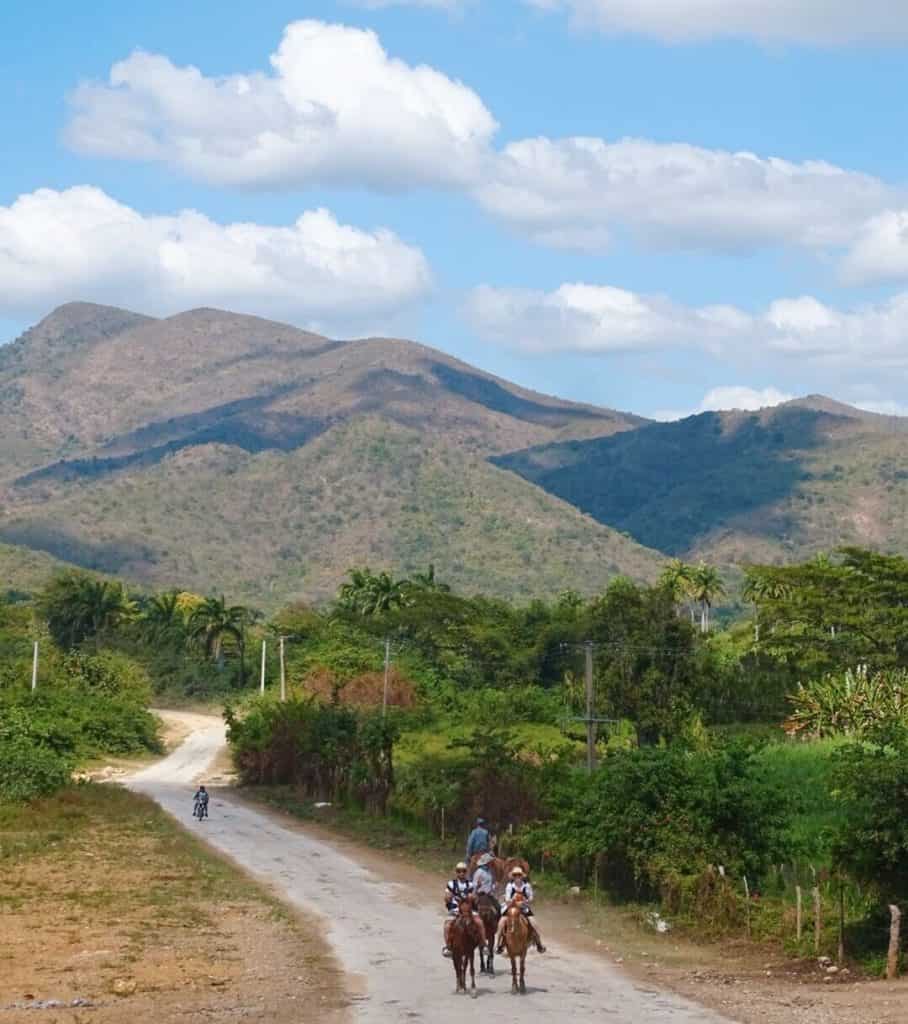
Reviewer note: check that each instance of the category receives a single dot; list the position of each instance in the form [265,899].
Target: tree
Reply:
[677,579]
[370,594]
[705,586]
[79,607]
[428,581]
[213,621]
[162,617]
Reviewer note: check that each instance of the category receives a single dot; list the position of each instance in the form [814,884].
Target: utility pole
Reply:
[590,719]
[262,682]
[384,697]
[35,667]
[283,673]
[590,723]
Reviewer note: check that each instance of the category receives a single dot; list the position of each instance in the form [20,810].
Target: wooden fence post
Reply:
[817,918]
[798,919]
[841,950]
[442,824]
[895,943]
[747,903]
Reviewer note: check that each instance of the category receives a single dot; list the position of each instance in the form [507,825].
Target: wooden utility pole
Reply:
[262,681]
[590,724]
[384,696]
[283,673]
[590,719]
[35,667]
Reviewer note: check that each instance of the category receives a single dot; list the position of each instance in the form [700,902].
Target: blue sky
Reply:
[661,275]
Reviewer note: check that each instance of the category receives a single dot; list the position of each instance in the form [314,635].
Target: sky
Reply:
[662,206]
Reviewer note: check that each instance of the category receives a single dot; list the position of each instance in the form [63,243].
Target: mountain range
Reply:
[226,452]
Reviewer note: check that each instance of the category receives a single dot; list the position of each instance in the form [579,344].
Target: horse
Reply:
[516,942]
[490,914]
[463,940]
[500,867]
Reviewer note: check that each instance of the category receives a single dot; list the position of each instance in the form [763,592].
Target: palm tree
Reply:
[213,621]
[706,586]
[760,587]
[370,594]
[162,616]
[677,578]
[428,581]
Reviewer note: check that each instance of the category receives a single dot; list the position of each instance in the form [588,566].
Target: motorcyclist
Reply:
[201,799]
[456,890]
[519,885]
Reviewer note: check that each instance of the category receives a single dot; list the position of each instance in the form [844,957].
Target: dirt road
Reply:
[386,939]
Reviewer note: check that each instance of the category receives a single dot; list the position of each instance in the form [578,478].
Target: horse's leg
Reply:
[523,964]
[482,959]
[514,988]
[491,957]
[473,973]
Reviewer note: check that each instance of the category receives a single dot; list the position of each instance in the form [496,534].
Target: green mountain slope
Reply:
[734,487]
[218,450]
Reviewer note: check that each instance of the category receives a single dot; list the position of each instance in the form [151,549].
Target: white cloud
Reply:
[884,407]
[574,192]
[814,22]
[600,319]
[729,396]
[82,244]
[880,251]
[336,109]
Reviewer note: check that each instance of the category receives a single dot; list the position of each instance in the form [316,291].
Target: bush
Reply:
[871,841]
[657,818]
[329,751]
[29,770]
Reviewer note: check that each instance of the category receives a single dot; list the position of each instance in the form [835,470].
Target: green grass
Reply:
[804,770]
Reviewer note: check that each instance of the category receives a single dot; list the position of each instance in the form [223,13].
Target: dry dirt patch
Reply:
[104,900]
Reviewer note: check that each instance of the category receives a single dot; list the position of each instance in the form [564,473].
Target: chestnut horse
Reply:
[516,942]
[489,914]
[463,940]
[500,867]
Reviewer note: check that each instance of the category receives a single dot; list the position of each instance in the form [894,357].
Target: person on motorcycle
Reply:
[519,885]
[457,888]
[484,880]
[480,840]
[201,799]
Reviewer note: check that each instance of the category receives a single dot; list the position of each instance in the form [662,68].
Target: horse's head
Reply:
[465,907]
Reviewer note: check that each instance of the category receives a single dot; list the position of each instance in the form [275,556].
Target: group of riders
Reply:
[518,888]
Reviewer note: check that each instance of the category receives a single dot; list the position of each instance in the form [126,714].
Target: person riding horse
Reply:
[484,880]
[457,889]
[480,840]
[519,885]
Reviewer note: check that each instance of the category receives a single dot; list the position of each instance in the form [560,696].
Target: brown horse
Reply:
[463,940]
[490,914]
[500,867]
[516,942]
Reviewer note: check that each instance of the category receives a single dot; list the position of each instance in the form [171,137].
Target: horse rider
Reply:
[484,880]
[480,840]
[456,890]
[519,885]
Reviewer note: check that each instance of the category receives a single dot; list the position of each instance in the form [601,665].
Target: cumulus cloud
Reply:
[880,250]
[81,243]
[884,407]
[601,319]
[814,22]
[729,396]
[574,192]
[335,109]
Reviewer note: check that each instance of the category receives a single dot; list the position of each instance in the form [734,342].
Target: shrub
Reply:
[850,703]
[29,770]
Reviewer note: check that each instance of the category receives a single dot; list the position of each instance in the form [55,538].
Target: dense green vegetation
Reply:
[700,794]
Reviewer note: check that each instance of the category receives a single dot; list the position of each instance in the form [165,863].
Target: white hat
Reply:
[461,867]
[516,870]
